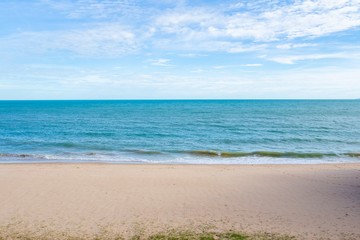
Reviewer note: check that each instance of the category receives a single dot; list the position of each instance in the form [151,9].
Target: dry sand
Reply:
[308,201]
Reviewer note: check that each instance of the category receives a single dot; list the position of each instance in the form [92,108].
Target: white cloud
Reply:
[205,45]
[98,40]
[93,79]
[252,65]
[300,19]
[163,62]
[198,70]
[98,9]
[287,46]
[235,27]
[293,59]
[237,66]
[192,55]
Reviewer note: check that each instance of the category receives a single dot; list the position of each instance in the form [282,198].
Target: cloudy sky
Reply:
[166,49]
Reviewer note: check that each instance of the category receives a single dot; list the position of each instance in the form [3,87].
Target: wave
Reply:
[210,153]
[356,155]
[192,156]
[145,152]
[20,155]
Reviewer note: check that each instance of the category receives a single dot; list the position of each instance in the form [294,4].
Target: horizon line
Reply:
[184,99]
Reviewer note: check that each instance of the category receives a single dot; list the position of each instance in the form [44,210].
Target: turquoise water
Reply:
[234,131]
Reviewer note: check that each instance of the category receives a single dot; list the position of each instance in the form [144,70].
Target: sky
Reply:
[185,49]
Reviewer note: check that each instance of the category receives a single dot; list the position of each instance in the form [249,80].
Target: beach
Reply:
[315,201]
[179,120]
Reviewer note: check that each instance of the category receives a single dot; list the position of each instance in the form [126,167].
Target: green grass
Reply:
[139,234]
[198,236]
[231,235]
[166,235]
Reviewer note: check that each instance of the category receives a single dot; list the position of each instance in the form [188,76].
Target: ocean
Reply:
[181,131]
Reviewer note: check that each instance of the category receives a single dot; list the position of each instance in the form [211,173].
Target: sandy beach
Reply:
[306,201]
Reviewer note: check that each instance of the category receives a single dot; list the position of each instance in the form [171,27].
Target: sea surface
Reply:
[186,131]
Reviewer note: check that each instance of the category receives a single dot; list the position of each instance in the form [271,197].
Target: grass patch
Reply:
[186,235]
[166,235]
[231,235]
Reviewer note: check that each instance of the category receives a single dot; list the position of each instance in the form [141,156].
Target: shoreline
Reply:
[357,163]
[308,201]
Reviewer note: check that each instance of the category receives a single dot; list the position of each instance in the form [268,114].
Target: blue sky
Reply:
[163,49]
